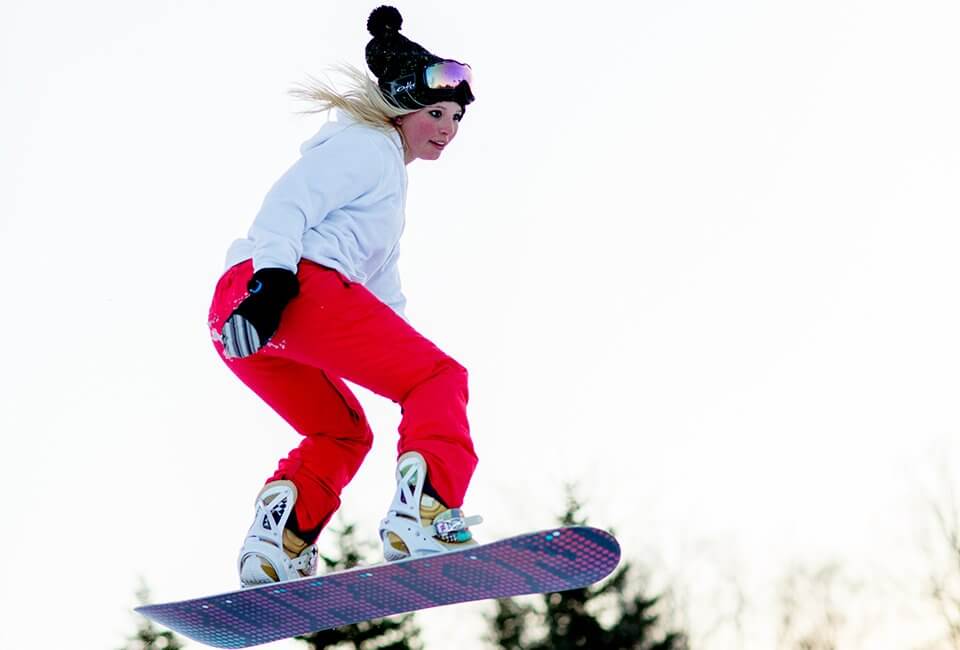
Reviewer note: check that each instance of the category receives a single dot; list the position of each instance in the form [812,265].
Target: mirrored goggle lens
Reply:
[448,74]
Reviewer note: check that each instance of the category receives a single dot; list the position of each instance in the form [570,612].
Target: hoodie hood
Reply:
[340,123]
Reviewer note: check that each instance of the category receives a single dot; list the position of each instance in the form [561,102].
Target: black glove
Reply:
[257,318]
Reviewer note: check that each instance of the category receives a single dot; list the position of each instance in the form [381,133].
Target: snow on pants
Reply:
[333,330]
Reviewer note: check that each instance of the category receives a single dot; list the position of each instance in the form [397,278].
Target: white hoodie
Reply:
[341,205]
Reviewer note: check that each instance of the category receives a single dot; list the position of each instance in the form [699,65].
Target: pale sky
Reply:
[699,257]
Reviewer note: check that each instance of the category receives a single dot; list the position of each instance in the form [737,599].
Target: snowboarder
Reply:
[311,297]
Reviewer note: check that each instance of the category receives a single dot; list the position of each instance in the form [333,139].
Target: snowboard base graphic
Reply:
[547,561]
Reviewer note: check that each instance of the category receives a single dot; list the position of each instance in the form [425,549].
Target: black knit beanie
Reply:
[400,64]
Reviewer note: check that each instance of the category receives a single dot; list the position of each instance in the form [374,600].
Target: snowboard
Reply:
[547,561]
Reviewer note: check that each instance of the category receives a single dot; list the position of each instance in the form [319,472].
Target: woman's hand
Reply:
[257,318]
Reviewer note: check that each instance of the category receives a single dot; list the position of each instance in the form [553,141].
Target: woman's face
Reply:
[427,131]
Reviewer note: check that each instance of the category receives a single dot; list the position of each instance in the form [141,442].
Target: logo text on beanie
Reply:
[405,84]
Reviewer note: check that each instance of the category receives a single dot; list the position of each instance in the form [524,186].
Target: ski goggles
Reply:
[447,74]
[443,75]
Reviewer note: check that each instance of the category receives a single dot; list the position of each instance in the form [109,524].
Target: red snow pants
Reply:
[334,330]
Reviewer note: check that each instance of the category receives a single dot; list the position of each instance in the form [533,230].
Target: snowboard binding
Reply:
[270,552]
[417,524]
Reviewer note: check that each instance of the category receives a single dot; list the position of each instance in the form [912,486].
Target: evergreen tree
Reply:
[395,633]
[571,619]
[147,636]
[509,624]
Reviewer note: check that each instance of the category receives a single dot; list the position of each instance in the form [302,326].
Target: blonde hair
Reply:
[361,97]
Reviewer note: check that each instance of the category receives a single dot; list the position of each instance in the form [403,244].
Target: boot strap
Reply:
[446,528]
[305,562]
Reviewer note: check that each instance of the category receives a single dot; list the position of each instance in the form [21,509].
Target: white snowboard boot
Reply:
[271,553]
[418,525]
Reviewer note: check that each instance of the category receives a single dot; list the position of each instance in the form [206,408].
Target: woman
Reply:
[312,297]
